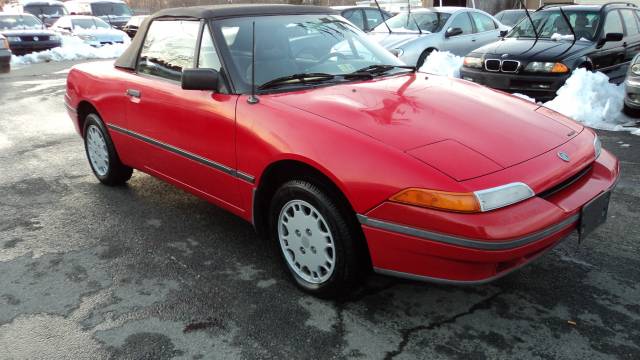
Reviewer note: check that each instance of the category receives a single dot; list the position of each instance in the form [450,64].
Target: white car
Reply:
[93,30]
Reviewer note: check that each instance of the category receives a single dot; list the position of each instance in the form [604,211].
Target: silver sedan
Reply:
[632,88]
[413,36]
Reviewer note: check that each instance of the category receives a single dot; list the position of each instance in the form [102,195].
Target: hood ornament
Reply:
[564,156]
[504,56]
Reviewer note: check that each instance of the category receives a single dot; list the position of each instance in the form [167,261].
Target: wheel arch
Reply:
[85,108]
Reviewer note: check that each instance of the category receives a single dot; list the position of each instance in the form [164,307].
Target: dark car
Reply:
[114,12]
[5,55]
[511,17]
[27,34]
[131,28]
[365,18]
[47,11]
[536,61]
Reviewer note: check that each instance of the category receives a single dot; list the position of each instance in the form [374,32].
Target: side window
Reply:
[462,21]
[168,48]
[483,22]
[612,24]
[208,56]
[630,22]
[373,18]
[355,16]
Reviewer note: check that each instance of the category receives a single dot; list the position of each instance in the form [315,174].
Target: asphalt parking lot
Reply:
[148,271]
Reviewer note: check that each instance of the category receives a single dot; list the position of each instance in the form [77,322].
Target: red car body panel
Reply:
[372,139]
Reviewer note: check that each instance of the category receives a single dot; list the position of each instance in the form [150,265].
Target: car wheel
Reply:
[635,113]
[101,153]
[319,247]
[423,57]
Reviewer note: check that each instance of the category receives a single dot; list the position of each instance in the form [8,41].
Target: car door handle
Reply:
[133,93]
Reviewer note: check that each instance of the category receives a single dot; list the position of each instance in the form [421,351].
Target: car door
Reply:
[486,30]
[632,34]
[609,56]
[184,136]
[463,43]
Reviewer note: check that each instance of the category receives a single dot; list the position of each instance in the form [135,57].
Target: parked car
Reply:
[114,12]
[47,11]
[415,35]
[27,34]
[511,17]
[537,61]
[346,161]
[632,88]
[364,17]
[5,55]
[131,28]
[91,29]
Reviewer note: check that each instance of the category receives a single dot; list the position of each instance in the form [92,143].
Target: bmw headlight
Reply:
[546,67]
[597,146]
[635,69]
[14,38]
[473,62]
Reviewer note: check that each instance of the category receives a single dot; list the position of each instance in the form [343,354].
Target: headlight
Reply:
[478,201]
[14,38]
[635,69]
[397,52]
[87,37]
[547,67]
[473,62]
[597,146]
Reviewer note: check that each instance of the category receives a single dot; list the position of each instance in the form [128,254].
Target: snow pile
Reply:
[72,48]
[557,37]
[443,63]
[523,96]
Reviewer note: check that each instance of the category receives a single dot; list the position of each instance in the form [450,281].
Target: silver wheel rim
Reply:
[306,241]
[97,150]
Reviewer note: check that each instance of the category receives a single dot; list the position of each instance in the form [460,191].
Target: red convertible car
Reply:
[289,117]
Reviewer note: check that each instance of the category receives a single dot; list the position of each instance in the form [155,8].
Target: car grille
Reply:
[507,66]
[492,65]
[510,66]
[565,184]
[33,38]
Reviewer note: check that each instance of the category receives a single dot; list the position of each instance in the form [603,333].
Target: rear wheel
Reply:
[317,244]
[635,113]
[103,159]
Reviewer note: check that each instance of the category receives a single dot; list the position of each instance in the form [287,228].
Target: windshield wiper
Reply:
[303,78]
[378,69]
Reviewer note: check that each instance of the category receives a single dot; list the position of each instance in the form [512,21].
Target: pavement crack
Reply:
[407,333]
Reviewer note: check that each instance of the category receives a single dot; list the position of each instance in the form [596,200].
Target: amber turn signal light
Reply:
[440,200]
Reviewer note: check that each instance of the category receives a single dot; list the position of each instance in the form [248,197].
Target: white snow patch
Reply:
[525,97]
[557,37]
[443,63]
[587,97]
[72,48]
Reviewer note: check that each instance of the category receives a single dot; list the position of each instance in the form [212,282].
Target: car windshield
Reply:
[47,10]
[551,24]
[19,22]
[296,44]
[511,18]
[430,21]
[89,23]
[113,9]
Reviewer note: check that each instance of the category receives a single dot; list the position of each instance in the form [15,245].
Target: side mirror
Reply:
[503,33]
[453,32]
[200,79]
[610,37]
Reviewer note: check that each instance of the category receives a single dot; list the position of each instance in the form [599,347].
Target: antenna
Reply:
[384,18]
[253,99]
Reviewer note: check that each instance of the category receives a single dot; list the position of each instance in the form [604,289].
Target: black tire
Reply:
[423,57]
[116,172]
[634,113]
[350,259]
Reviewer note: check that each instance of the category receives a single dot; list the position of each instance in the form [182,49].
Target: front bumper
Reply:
[478,248]
[632,92]
[26,47]
[539,87]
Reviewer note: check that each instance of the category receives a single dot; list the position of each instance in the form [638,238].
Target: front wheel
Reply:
[319,247]
[102,155]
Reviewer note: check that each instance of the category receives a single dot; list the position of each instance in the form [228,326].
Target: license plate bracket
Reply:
[593,214]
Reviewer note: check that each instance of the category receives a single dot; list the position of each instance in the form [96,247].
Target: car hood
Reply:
[533,50]
[396,40]
[104,34]
[30,32]
[411,112]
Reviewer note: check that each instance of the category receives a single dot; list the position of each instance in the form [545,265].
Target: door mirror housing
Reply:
[453,32]
[503,33]
[200,79]
[610,37]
